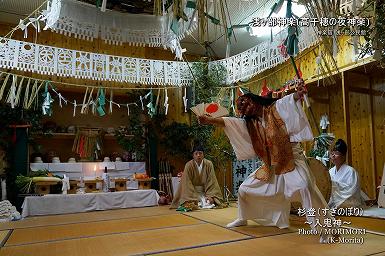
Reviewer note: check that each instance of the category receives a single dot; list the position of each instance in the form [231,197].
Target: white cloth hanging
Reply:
[86,22]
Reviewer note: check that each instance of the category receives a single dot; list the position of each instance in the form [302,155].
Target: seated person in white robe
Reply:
[346,191]
[272,129]
[198,183]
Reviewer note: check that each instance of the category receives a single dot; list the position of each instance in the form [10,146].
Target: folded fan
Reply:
[199,109]
[211,109]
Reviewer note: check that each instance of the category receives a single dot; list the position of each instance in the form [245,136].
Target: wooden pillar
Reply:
[345,103]
[372,137]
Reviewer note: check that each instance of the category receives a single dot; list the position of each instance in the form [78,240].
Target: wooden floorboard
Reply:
[287,244]
[86,217]
[371,224]
[222,217]
[3,236]
[140,242]
[160,231]
[79,230]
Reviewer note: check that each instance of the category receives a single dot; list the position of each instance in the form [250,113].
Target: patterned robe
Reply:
[268,202]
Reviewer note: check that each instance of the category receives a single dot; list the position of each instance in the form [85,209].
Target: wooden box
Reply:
[93,185]
[44,187]
[73,187]
[120,184]
[144,183]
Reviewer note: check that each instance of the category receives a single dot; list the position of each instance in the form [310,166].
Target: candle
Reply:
[95,170]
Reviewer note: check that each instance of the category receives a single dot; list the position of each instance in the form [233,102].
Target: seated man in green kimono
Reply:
[198,183]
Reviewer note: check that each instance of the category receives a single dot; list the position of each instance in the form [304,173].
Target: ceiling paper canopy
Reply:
[88,22]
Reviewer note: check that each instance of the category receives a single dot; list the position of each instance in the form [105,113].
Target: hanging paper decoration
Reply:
[3,86]
[291,41]
[12,92]
[157,102]
[185,100]
[61,98]
[35,23]
[75,105]
[17,98]
[31,93]
[159,72]
[232,106]
[150,106]
[23,27]
[52,13]
[86,101]
[82,110]
[145,30]
[46,107]
[165,102]
[111,99]
[102,102]
[89,102]
[141,101]
[128,107]
[26,94]
[34,93]
[93,107]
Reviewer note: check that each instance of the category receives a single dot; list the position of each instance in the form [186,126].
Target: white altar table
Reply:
[73,203]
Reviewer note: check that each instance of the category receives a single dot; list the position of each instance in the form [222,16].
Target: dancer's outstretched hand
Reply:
[204,119]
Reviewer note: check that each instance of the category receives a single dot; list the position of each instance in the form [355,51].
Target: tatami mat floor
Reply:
[160,231]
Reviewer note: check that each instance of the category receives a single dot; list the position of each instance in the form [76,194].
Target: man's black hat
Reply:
[198,147]
[340,146]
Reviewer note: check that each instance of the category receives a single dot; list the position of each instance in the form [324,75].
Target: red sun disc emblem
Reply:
[212,108]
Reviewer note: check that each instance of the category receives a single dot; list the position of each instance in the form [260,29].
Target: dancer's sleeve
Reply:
[295,119]
[236,131]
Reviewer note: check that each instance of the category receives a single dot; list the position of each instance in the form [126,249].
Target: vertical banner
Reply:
[241,170]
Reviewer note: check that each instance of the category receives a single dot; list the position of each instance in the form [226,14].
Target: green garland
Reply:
[135,142]
[178,138]
[374,34]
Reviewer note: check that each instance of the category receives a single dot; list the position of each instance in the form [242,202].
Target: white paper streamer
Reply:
[61,98]
[18,93]
[111,100]
[26,94]
[185,100]
[165,102]
[232,99]
[33,94]
[74,113]
[141,102]
[3,86]
[12,92]
[83,109]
